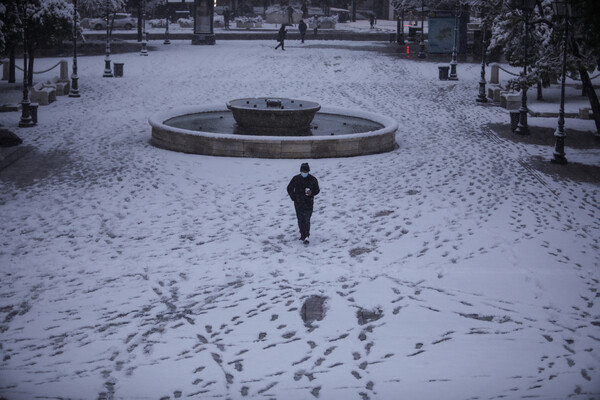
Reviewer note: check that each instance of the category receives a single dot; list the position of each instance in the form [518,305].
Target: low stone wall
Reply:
[229,145]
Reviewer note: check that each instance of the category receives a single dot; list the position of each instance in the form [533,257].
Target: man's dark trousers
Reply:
[303,216]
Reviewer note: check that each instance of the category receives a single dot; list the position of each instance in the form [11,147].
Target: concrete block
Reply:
[496,96]
[584,113]
[495,74]
[64,70]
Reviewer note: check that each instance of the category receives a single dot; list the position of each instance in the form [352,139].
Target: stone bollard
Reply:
[64,70]
[495,74]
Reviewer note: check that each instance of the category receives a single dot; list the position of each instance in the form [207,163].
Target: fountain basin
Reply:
[379,138]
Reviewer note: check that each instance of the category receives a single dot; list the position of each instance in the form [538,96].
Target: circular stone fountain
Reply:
[273,128]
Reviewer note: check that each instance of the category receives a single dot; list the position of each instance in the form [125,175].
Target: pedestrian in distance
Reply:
[281,37]
[290,11]
[304,10]
[302,189]
[372,20]
[302,28]
[226,17]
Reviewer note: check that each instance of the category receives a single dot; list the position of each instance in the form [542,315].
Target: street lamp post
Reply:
[482,98]
[26,121]
[422,44]
[74,92]
[400,26]
[107,68]
[144,50]
[167,39]
[527,6]
[453,76]
[562,9]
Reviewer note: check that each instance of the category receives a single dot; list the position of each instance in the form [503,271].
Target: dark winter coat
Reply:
[296,189]
[281,34]
[302,27]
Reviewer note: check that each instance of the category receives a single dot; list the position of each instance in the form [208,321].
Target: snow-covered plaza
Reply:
[449,268]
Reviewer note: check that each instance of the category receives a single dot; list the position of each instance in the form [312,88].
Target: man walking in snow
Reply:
[226,17]
[302,189]
[302,28]
[281,37]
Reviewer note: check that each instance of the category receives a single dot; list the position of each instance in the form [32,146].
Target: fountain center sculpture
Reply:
[279,116]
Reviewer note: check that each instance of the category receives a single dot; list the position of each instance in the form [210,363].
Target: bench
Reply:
[42,94]
[62,87]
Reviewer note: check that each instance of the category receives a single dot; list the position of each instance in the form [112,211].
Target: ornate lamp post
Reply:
[26,121]
[107,68]
[482,97]
[74,92]
[562,9]
[527,6]
[422,43]
[167,40]
[144,51]
[453,76]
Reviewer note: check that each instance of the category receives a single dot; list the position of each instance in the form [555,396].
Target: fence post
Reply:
[64,70]
[495,74]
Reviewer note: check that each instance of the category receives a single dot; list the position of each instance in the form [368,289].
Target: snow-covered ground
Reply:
[449,268]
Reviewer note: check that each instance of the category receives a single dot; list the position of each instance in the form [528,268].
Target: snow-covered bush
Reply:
[248,22]
[158,23]
[186,22]
[254,20]
[278,15]
[323,22]
[218,21]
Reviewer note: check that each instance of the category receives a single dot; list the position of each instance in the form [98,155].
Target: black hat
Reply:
[304,167]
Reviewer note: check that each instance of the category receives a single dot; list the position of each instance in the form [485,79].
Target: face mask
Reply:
[304,174]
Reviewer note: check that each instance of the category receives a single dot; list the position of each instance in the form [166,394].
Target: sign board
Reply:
[441,32]
[203,17]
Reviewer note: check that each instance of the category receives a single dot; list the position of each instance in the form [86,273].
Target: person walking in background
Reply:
[226,17]
[302,28]
[302,189]
[304,10]
[372,20]
[281,37]
[290,11]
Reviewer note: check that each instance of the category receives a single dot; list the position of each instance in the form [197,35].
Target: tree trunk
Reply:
[11,66]
[540,94]
[591,94]
[587,85]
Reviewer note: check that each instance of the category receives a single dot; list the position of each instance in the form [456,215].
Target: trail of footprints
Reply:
[224,352]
